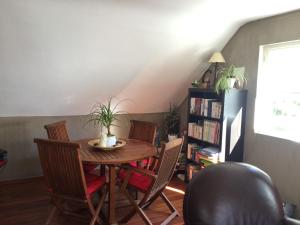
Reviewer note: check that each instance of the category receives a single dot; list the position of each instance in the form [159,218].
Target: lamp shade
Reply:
[217,57]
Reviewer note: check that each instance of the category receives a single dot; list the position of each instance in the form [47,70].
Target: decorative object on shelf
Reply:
[96,143]
[217,58]
[195,83]
[206,80]
[171,122]
[105,115]
[228,77]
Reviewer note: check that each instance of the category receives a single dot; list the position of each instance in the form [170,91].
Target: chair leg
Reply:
[53,210]
[170,218]
[169,204]
[92,211]
[126,218]
[150,201]
[171,207]
[101,201]
[136,209]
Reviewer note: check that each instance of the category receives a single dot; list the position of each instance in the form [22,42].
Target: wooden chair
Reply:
[143,131]
[65,178]
[151,182]
[58,131]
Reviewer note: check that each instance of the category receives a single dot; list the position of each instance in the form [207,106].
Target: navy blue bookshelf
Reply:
[231,122]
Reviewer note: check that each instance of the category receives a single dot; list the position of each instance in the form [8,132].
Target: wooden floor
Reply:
[27,203]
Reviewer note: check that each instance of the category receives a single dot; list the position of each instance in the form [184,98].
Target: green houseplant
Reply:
[105,115]
[171,122]
[228,76]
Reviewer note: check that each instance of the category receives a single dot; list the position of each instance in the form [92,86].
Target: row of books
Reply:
[205,155]
[209,131]
[195,130]
[206,107]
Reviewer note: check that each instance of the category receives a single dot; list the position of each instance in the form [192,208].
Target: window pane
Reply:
[277,110]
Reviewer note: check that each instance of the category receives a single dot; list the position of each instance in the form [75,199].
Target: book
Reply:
[211,130]
[206,163]
[216,109]
[189,151]
[192,107]
[195,130]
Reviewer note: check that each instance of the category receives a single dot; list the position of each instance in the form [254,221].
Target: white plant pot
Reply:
[231,82]
[172,137]
[107,141]
[111,141]
[103,140]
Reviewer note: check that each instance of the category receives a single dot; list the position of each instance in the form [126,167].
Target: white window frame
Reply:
[276,114]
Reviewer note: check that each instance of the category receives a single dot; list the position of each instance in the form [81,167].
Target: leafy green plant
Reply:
[225,74]
[105,115]
[172,119]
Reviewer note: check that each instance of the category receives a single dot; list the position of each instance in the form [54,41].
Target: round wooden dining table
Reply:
[134,150]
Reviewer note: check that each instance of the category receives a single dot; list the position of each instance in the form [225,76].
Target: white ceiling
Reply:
[59,57]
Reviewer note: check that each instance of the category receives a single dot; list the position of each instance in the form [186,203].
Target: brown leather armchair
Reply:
[233,194]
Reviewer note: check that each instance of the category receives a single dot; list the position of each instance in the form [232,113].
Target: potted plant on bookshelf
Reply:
[171,122]
[228,76]
[105,115]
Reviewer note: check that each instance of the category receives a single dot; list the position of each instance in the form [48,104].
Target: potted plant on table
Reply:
[228,76]
[171,122]
[106,116]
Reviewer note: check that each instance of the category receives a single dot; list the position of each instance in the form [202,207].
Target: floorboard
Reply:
[27,203]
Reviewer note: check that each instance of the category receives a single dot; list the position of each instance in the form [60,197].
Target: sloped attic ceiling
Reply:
[60,57]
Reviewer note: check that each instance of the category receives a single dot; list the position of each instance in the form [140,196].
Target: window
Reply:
[277,106]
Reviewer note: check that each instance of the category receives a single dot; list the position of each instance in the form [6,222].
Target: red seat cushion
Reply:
[94,182]
[137,180]
[2,162]
[88,167]
[143,163]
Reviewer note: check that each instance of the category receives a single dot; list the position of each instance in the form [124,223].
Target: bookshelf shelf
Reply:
[205,117]
[215,125]
[203,142]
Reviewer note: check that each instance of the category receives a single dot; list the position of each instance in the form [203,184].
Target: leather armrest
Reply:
[290,221]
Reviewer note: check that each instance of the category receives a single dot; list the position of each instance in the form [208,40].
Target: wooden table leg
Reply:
[112,197]
[102,170]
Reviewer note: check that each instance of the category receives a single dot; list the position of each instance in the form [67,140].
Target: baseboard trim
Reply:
[20,181]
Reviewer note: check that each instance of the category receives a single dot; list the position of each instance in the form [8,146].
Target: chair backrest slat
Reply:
[57,131]
[143,130]
[62,168]
[166,165]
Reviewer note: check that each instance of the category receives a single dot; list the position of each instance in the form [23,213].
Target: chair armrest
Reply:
[139,170]
[290,221]
[155,156]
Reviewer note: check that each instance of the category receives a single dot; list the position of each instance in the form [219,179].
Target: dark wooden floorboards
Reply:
[27,203]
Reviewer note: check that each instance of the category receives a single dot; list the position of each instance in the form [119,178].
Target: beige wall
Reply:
[17,134]
[279,158]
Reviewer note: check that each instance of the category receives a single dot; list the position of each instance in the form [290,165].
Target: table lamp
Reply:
[216,58]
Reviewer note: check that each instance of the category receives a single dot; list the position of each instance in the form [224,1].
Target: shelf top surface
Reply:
[212,90]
